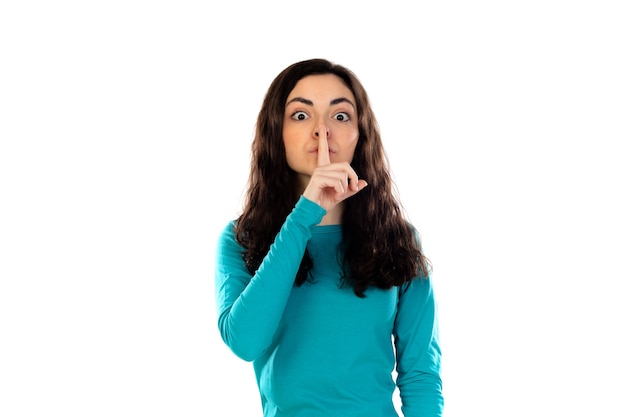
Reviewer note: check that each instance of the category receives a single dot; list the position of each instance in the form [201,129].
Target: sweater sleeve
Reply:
[250,307]
[418,351]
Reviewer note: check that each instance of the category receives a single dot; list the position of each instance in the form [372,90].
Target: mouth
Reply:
[330,151]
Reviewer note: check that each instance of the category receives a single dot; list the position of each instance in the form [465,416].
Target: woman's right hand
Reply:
[331,183]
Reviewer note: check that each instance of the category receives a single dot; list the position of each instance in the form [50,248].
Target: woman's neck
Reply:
[333,216]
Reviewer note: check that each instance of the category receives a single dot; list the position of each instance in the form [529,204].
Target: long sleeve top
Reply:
[318,349]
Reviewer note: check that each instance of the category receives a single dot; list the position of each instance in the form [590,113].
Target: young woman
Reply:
[321,281]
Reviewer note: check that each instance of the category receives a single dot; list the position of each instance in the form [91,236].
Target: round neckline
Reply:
[327,228]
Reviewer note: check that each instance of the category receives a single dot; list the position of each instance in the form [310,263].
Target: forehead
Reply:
[321,86]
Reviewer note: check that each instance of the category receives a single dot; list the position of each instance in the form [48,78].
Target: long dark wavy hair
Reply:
[380,247]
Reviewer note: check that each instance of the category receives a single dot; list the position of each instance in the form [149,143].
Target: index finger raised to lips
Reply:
[323,157]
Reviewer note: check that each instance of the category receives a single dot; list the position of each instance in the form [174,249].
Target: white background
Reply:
[125,129]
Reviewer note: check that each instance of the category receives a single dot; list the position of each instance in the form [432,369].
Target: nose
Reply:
[322,129]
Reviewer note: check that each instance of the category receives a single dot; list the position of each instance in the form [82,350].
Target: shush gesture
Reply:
[284,266]
[331,183]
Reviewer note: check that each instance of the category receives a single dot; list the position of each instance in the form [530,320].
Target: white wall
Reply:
[125,129]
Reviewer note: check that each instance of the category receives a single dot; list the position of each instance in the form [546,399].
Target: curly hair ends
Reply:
[381,248]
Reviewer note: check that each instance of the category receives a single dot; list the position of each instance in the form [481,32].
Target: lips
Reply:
[330,151]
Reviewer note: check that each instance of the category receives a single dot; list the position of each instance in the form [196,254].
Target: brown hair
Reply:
[380,247]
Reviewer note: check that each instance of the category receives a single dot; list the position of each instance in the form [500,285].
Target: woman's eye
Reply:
[342,117]
[299,115]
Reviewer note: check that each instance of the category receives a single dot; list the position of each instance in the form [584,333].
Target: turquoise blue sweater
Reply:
[318,349]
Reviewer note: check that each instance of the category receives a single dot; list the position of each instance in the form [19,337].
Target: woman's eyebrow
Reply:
[301,100]
[332,102]
[341,100]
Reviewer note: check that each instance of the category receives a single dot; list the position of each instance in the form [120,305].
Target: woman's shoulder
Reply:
[227,234]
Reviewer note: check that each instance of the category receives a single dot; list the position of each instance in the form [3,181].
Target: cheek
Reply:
[289,143]
[292,150]
[351,145]
[291,137]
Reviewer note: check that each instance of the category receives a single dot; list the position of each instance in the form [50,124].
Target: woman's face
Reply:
[316,104]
